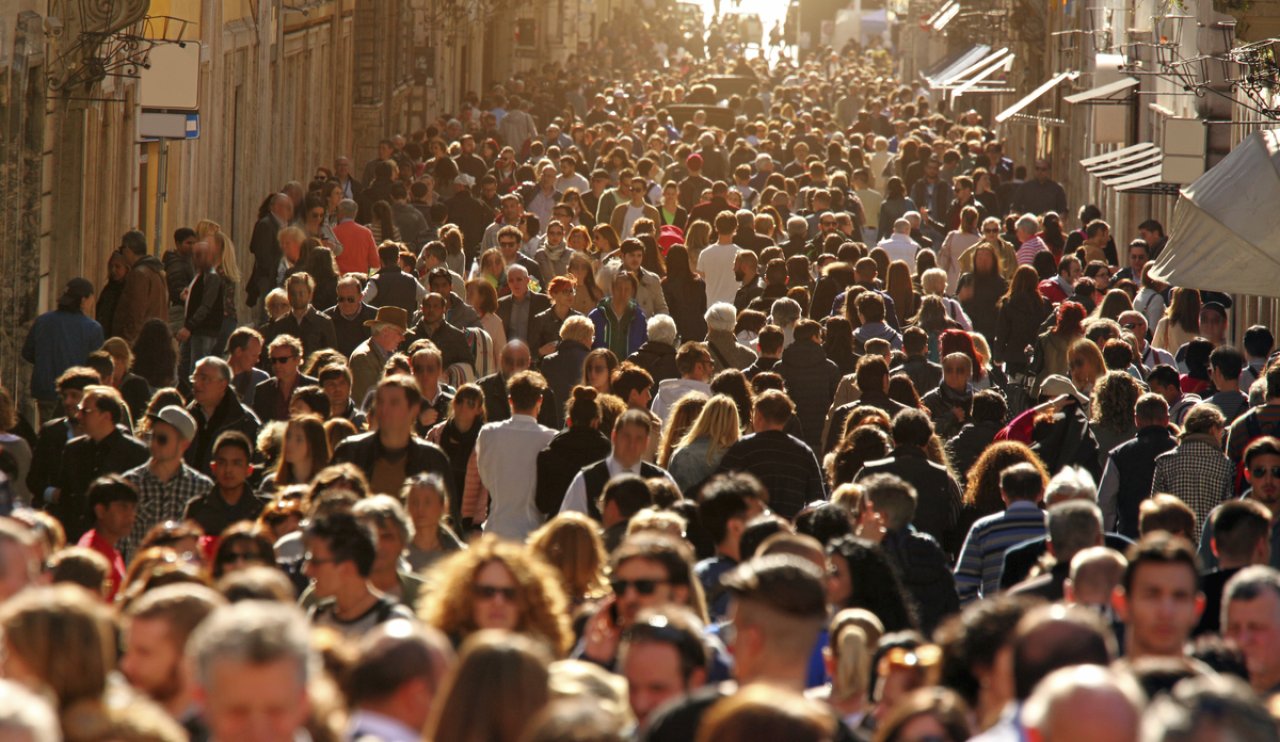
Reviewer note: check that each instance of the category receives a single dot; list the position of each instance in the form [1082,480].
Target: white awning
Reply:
[943,15]
[1138,166]
[1001,61]
[1109,93]
[1034,95]
[949,70]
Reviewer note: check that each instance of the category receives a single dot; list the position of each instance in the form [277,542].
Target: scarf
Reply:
[555,253]
[952,398]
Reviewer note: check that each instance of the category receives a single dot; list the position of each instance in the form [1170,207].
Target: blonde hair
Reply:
[659,521]
[230,269]
[718,422]
[571,544]
[500,681]
[934,282]
[119,349]
[852,650]
[64,637]
[679,420]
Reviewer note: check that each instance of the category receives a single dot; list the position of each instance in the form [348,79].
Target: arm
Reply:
[660,298]
[969,568]
[1108,488]
[475,498]
[209,301]
[575,498]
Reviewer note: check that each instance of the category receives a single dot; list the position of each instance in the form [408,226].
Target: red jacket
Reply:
[1051,289]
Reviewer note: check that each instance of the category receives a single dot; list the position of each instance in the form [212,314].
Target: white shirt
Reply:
[715,263]
[575,498]
[366,724]
[629,218]
[901,247]
[507,456]
[671,391]
[565,182]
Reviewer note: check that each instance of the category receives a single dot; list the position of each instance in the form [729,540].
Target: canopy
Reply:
[1225,224]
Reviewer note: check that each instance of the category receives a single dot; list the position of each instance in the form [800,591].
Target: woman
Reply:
[571,544]
[109,299]
[16,447]
[852,636]
[984,193]
[605,242]
[497,584]
[955,244]
[578,239]
[1150,298]
[587,294]
[930,713]
[306,452]
[1114,303]
[135,390]
[861,575]
[861,444]
[483,297]
[898,286]
[314,222]
[426,497]
[455,255]
[982,490]
[1114,398]
[837,343]
[988,286]
[321,266]
[680,418]
[383,224]
[1050,355]
[581,217]
[553,259]
[933,319]
[670,211]
[457,437]
[580,444]
[1019,315]
[1181,321]
[282,516]
[544,327]
[933,282]
[686,295]
[1051,234]
[895,204]
[498,684]
[1086,363]
[598,368]
[155,355]
[492,268]
[240,546]
[700,450]
[697,237]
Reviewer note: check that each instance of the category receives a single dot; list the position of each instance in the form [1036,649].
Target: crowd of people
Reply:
[569,418]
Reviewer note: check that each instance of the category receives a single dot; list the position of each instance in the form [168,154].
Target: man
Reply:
[692,186]
[114,503]
[511,215]
[433,326]
[264,246]
[231,500]
[648,295]
[340,555]
[165,483]
[201,324]
[506,451]
[398,671]
[1159,599]
[390,286]
[811,379]
[386,151]
[1026,228]
[145,295]
[569,176]
[1073,526]
[514,358]
[59,340]
[244,351]
[157,627]
[746,271]
[518,307]
[1130,467]
[932,194]
[1225,366]
[563,368]
[391,454]
[313,329]
[1261,467]
[342,173]
[1139,253]
[1150,356]
[950,402]
[938,511]
[867,385]
[349,316]
[769,341]
[725,505]
[52,439]
[335,382]
[1241,538]
[424,360]
[630,439]
[695,367]
[715,262]
[1086,702]
[541,197]
[1165,381]
[359,250]
[104,448]
[624,215]
[387,331]
[510,240]
[982,556]
[747,237]
[1196,471]
[271,397]
[252,662]
[179,271]
[621,325]
[413,226]
[434,256]
[778,609]
[457,312]
[1063,286]
[899,245]
[1097,235]
[663,657]
[784,464]
[1152,233]
[1257,422]
[1251,617]
[1042,194]
[924,373]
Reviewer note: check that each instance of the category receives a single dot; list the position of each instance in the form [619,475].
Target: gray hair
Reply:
[517,268]
[1209,706]
[1248,584]
[583,330]
[1071,483]
[661,327]
[784,312]
[223,367]
[1027,223]
[797,226]
[383,511]
[253,632]
[723,316]
[24,715]
[912,218]
[1074,525]
[348,208]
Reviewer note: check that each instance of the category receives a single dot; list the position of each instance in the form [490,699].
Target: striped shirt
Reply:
[1027,252]
[982,556]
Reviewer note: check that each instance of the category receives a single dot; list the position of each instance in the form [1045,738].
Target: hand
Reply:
[547,349]
[186,293]
[601,635]
[183,335]
[870,526]
[429,416]
[959,413]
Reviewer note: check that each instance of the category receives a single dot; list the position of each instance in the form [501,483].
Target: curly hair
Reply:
[1114,398]
[877,586]
[447,604]
[983,490]
[571,544]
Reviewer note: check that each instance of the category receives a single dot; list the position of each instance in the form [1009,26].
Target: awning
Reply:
[1112,92]
[972,80]
[1129,168]
[951,66]
[1034,95]
[943,15]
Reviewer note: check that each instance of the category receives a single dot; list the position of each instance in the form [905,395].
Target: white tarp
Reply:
[1225,234]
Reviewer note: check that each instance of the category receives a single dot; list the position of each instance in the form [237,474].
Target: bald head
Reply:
[1085,702]
[515,358]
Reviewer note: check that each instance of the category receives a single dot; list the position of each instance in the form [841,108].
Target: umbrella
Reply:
[1225,224]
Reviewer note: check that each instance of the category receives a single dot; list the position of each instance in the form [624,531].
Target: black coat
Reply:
[316,332]
[811,380]
[568,453]
[1135,463]
[563,368]
[967,445]
[926,573]
[270,404]
[363,450]
[938,503]
[350,332]
[1018,326]
[687,305]
[659,359]
[451,341]
[230,414]
[497,407]
[264,245]
[83,461]
[46,456]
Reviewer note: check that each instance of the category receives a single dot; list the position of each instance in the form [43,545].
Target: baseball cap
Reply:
[1055,385]
[180,419]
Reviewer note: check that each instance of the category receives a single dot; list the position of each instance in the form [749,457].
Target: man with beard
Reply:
[1262,472]
[156,630]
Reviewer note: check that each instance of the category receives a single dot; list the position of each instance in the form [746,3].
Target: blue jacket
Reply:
[57,341]
[602,316]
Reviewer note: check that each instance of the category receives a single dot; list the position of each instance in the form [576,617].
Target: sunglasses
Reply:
[348,300]
[489,592]
[281,360]
[991,230]
[1261,471]
[643,587]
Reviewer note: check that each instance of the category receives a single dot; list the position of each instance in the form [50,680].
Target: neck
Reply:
[1134,651]
[287,383]
[180,703]
[729,548]
[394,439]
[353,599]
[786,672]
[101,435]
[427,539]
[164,469]
[231,495]
[298,314]
[301,472]
[385,579]
[240,364]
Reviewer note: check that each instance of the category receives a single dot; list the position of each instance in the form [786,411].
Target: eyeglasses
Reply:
[643,586]
[489,592]
[280,360]
[1261,471]
[507,243]
[310,558]
[1130,325]
[991,230]
[825,223]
